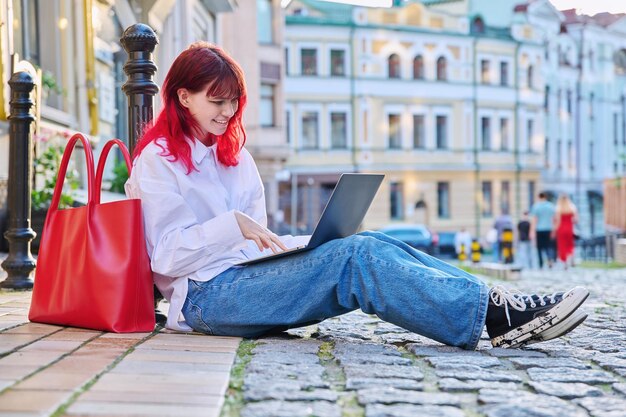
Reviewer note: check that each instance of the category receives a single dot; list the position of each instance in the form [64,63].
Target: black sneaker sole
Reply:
[550,318]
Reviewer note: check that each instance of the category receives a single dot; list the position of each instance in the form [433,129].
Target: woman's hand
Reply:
[262,236]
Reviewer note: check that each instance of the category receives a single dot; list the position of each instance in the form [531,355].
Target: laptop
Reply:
[342,215]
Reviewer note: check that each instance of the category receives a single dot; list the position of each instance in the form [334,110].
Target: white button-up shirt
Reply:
[190,225]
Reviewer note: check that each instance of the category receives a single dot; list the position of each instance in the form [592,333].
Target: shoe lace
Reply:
[502,297]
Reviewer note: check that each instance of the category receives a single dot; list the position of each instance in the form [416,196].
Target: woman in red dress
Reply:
[564,219]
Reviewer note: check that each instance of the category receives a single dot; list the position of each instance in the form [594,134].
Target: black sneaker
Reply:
[515,319]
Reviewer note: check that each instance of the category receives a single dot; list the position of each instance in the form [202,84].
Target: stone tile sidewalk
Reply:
[51,370]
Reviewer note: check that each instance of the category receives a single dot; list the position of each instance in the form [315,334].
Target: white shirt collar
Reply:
[199,150]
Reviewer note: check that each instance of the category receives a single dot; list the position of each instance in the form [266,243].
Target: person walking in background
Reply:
[542,214]
[565,218]
[524,250]
[463,242]
[503,222]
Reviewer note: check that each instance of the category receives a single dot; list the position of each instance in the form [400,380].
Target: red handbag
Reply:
[93,269]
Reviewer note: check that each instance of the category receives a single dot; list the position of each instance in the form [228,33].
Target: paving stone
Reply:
[455,385]
[530,410]
[393,396]
[365,349]
[383,371]
[291,409]
[359,358]
[399,383]
[515,353]
[620,387]
[589,376]
[607,406]
[303,381]
[286,358]
[403,338]
[405,410]
[525,363]
[287,346]
[455,362]
[288,392]
[566,390]
[507,403]
[439,350]
[338,331]
[284,370]
[472,372]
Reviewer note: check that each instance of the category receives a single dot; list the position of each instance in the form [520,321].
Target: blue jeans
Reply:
[370,270]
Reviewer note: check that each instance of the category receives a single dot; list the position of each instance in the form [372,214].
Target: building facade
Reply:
[462,104]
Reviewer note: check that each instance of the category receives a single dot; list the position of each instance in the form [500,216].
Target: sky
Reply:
[591,7]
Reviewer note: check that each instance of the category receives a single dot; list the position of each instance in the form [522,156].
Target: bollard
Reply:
[506,246]
[476,251]
[462,254]
[20,264]
[139,41]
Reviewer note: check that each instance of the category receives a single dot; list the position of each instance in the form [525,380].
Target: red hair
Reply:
[200,66]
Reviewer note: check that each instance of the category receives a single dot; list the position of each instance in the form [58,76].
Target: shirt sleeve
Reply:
[178,243]
[256,207]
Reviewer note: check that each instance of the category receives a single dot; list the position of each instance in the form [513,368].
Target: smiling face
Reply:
[211,113]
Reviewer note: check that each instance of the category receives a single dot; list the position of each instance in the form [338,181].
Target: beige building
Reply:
[448,107]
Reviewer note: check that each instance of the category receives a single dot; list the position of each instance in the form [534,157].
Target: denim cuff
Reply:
[481,316]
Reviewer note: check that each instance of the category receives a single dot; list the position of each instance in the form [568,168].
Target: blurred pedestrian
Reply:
[542,214]
[524,249]
[463,242]
[564,220]
[503,222]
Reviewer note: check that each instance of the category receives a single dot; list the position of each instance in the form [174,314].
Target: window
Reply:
[393,66]
[531,194]
[310,138]
[266,105]
[419,131]
[569,101]
[288,126]
[396,201]
[485,123]
[441,69]
[264,21]
[591,165]
[546,98]
[309,61]
[26,36]
[484,71]
[615,130]
[442,132]
[338,130]
[286,61]
[504,134]
[504,73]
[591,98]
[478,26]
[530,126]
[559,154]
[443,200]
[505,197]
[418,68]
[337,62]
[487,199]
[530,75]
[570,155]
[395,137]
[546,153]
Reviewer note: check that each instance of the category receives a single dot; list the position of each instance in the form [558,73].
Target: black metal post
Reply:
[20,264]
[139,41]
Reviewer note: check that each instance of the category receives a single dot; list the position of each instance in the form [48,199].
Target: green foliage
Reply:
[120,175]
[46,167]
[49,82]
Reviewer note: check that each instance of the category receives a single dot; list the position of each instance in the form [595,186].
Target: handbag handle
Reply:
[102,161]
[56,196]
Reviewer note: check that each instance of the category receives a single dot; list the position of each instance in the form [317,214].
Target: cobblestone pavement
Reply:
[357,365]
